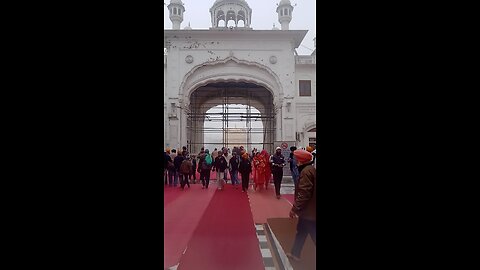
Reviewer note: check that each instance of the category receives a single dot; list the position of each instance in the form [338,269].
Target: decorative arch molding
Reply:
[231,69]
[310,123]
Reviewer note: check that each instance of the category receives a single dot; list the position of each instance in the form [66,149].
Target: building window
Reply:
[281,12]
[305,88]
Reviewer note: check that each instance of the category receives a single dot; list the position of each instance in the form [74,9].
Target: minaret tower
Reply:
[284,11]
[176,13]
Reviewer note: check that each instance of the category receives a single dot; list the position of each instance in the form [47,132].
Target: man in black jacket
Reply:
[233,164]
[219,166]
[177,162]
[277,162]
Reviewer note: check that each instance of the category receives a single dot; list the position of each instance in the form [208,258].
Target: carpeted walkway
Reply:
[265,205]
[170,194]
[225,237]
[181,215]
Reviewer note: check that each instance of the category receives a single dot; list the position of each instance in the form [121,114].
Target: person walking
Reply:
[204,167]
[185,171]
[194,169]
[227,158]
[165,165]
[170,170]
[177,161]
[294,169]
[304,206]
[233,167]
[215,154]
[245,168]
[219,166]
[259,172]
[268,171]
[277,162]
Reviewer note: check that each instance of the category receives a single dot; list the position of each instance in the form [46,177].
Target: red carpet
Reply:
[181,217]
[225,237]
[170,194]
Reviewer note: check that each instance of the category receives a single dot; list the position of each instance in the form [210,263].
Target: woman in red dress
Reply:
[258,175]
[267,171]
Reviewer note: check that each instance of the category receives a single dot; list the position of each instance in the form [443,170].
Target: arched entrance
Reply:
[239,103]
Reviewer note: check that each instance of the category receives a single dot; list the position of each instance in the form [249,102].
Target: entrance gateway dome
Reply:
[253,78]
[224,11]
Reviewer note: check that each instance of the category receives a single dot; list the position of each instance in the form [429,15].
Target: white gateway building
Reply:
[232,73]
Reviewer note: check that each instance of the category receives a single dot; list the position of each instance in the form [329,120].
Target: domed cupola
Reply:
[231,13]
[176,9]
[284,11]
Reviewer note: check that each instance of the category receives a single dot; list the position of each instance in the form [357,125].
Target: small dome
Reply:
[275,28]
[188,27]
[284,2]
[176,2]
[243,2]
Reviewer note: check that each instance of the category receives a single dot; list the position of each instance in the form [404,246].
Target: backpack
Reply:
[170,166]
[208,159]
[185,167]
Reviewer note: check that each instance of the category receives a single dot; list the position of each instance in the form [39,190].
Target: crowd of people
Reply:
[181,167]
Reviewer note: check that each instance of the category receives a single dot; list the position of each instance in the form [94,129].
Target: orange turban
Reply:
[167,150]
[303,156]
[309,149]
[245,155]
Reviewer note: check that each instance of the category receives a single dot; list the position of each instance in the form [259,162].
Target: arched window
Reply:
[281,12]
[220,18]
[175,11]
[285,12]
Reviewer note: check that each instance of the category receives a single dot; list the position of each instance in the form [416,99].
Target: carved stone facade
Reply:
[196,58]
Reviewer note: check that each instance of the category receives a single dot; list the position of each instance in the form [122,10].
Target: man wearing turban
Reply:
[305,203]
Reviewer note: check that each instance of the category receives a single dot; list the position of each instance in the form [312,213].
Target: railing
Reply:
[305,59]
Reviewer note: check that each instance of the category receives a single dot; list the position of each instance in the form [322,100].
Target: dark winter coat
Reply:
[245,166]
[177,162]
[220,164]
[305,205]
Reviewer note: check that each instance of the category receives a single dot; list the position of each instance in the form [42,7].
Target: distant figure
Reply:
[177,161]
[204,167]
[171,168]
[233,168]
[227,158]
[219,165]
[194,168]
[185,170]
[277,162]
[294,169]
[259,173]
[245,168]
[215,153]
[305,203]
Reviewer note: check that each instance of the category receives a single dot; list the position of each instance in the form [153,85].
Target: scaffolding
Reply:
[226,96]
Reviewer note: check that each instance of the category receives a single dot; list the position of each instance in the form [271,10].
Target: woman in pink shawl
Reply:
[258,177]
[268,172]
[262,169]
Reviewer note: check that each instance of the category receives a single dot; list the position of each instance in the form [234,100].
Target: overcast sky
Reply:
[264,15]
